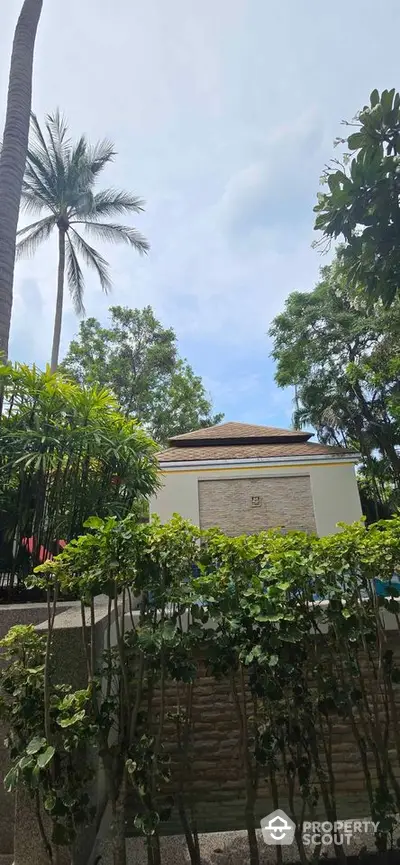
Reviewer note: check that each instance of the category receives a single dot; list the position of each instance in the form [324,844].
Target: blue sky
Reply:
[223,113]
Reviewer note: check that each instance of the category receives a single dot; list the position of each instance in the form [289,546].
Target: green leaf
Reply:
[138,822]
[25,762]
[69,722]
[50,802]
[35,745]
[273,661]
[44,759]
[93,523]
[10,781]
[387,100]
[374,98]
[355,141]
[68,800]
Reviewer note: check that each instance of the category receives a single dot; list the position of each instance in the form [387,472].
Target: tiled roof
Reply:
[233,430]
[250,452]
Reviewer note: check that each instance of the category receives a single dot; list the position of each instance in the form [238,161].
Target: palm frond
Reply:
[109,202]
[31,202]
[33,235]
[56,129]
[79,178]
[38,181]
[114,233]
[39,158]
[99,155]
[39,141]
[76,282]
[93,259]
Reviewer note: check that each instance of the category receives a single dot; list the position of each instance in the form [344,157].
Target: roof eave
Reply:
[353,458]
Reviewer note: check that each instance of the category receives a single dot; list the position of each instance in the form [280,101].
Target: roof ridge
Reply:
[230,431]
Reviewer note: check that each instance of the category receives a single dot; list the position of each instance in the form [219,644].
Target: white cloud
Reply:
[223,116]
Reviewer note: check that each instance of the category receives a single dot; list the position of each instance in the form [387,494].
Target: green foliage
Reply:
[152,564]
[56,774]
[65,452]
[138,360]
[361,204]
[293,624]
[342,355]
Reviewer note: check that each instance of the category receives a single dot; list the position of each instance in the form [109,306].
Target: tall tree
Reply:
[60,180]
[13,154]
[362,204]
[343,356]
[138,360]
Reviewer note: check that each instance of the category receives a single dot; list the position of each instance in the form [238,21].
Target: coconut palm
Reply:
[13,154]
[60,180]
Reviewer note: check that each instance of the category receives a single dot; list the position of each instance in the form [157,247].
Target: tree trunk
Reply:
[55,351]
[118,829]
[251,833]
[13,154]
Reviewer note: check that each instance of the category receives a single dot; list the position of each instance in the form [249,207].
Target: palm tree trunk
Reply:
[55,351]
[13,154]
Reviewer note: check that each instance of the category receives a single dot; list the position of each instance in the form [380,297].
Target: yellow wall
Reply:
[334,491]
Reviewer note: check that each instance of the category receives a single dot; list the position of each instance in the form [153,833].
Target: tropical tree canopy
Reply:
[66,452]
[343,356]
[137,358]
[13,154]
[60,181]
[362,203]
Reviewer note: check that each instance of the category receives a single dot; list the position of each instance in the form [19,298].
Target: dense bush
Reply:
[66,452]
[295,666]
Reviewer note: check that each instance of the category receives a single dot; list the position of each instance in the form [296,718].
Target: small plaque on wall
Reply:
[256,501]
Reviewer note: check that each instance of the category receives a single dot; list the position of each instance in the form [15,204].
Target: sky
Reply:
[223,114]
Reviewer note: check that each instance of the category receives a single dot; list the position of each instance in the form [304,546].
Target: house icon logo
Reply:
[278,828]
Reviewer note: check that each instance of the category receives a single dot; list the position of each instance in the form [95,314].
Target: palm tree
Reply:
[60,178]
[13,154]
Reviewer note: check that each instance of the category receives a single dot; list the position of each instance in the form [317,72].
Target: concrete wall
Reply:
[333,487]
[13,614]
[336,497]
[18,826]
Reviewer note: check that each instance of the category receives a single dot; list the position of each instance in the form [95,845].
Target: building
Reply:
[246,478]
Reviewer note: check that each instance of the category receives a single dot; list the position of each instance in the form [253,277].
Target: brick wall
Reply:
[246,505]
[217,781]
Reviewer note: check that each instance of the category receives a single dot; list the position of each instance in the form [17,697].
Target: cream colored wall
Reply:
[178,494]
[334,490]
[335,496]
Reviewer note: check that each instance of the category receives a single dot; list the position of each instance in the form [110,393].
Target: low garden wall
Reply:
[217,783]
[18,826]
[214,713]
[14,614]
